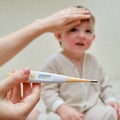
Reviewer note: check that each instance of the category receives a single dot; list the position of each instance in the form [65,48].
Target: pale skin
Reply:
[74,43]
[67,112]
[116,107]
[13,105]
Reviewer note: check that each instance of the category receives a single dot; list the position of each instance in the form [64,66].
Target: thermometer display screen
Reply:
[45,77]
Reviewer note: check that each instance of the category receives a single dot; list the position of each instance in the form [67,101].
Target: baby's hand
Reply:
[116,107]
[69,113]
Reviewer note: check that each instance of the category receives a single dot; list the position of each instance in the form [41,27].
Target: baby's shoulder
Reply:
[90,57]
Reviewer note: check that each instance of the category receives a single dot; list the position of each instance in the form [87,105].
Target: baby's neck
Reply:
[73,57]
[76,60]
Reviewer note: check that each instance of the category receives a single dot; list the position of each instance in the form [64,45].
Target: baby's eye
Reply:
[73,30]
[88,31]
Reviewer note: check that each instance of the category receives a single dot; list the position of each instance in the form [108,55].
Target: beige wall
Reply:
[15,14]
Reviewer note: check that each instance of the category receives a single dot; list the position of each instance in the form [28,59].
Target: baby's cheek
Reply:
[88,42]
[70,41]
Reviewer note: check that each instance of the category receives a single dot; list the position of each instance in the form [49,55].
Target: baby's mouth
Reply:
[80,44]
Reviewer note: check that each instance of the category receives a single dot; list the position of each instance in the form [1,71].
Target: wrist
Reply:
[37,27]
[56,105]
[41,25]
[59,109]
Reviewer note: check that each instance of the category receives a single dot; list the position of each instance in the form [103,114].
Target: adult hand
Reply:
[64,19]
[13,104]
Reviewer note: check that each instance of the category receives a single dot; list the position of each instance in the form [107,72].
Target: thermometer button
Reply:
[32,75]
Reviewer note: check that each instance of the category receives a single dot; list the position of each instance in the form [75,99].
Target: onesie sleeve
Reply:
[107,93]
[50,91]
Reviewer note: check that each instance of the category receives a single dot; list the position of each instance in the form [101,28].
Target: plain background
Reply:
[15,14]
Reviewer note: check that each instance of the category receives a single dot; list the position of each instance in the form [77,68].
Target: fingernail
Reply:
[25,71]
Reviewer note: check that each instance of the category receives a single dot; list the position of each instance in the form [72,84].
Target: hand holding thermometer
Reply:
[42,77]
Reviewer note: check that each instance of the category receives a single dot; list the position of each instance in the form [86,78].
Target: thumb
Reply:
[9,82]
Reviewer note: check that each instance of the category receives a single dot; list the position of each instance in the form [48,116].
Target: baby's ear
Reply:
[94,37]
[58,36]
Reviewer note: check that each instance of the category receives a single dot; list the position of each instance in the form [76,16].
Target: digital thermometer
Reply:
[42,77]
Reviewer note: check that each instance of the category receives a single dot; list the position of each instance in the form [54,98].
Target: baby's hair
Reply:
[79,6]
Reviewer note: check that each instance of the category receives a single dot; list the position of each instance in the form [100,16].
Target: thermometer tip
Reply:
[94,81]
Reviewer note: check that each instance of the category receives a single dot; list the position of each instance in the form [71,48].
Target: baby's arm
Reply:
[51,97]
[107,94]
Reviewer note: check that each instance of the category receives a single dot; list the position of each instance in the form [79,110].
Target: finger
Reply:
[115,107]
[80,17]
[26,89]
[78,13]
[76,9]
[16,94]
[71,25]
[78,116]
[75,17]
[31,100]
[9,94]
[10,82]
[82,116]
[118,112]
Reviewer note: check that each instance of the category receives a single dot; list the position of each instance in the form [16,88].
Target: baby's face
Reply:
[79,38]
